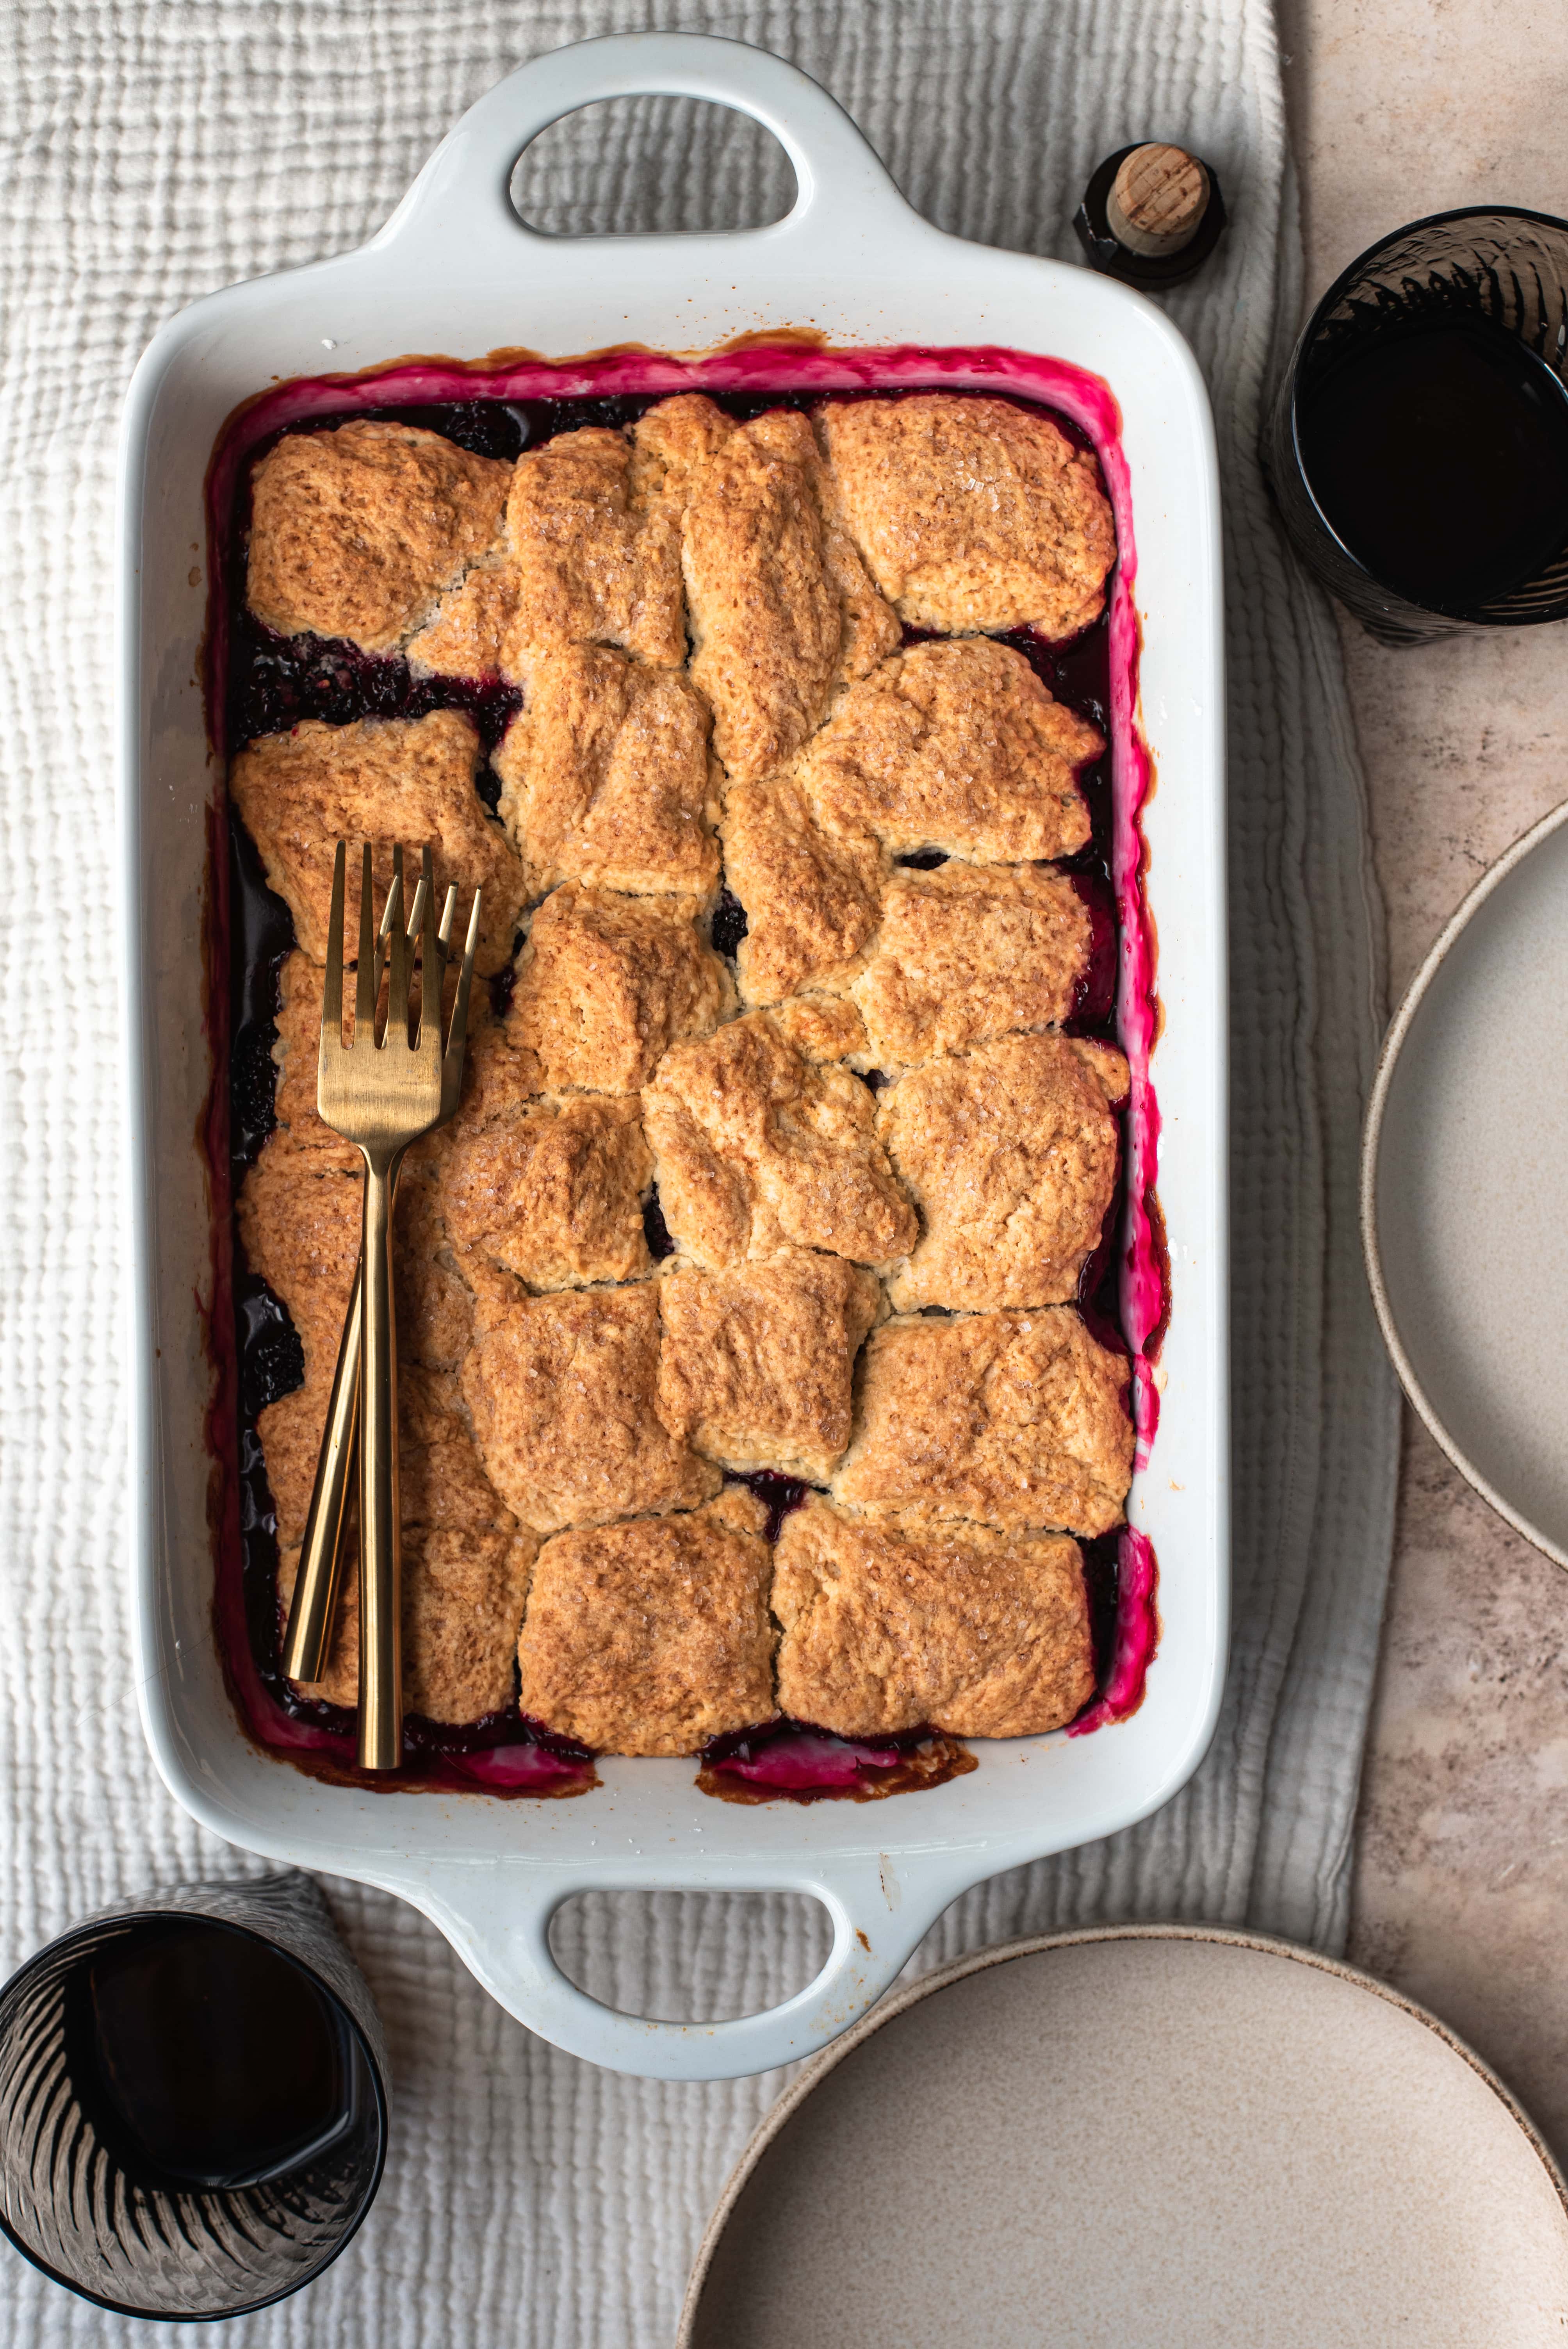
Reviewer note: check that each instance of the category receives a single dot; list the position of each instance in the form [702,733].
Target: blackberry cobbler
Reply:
[750,1358]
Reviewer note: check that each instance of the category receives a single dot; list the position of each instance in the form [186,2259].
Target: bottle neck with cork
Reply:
[1151,215]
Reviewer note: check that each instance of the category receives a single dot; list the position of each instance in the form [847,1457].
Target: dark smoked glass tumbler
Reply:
[1483,296]
[193,2100]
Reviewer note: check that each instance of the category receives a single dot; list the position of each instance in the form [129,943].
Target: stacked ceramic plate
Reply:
[1160,2139]
[1464,1194]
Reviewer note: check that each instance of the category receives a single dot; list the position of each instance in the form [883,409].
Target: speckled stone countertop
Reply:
[1400,108]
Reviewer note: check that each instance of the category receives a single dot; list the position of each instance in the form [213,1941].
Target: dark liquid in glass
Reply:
[1438,452]
[206,2057]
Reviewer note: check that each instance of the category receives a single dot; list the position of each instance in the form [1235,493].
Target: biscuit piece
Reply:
[295,1057]
[299,1215]
[291,1431]
[756,1148]
[299,1220]
[384,780]
[607,778]
[1014,1419]
[463,1598]
[811,895]
[821,1027]
[355,532]
[972,513]
[969,952]
[594,551]
[465,1559]
[756,1363]
[435,1306]
[501,1074]
[977,1634]
[957,748]
[441,1479]
[471,625]
[561,1391]
[550,1190]
[605,984]
[435,1298]
[654,1637]
[1011,1153]
[780,607]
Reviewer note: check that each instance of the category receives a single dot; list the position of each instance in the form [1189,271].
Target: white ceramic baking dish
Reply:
[454,272]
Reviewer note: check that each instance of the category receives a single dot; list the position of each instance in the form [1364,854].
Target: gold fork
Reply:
[313,1608]
[380,1097]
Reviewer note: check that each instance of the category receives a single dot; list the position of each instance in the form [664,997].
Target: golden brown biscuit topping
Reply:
[472,626]
[549,1192]
[1017,1420]
[756,1363]
[563,1392]
[811,895]
[972,513]
[653,1636]
[465,1558]
[822,1028]
[780,606]
[463,1597]
[756,1149]
[605,984]
[554,1385]
[296,1055]
[969,952]
[1010,1151]
[957,748]
[298,1217]
[382,780]
[594,551]
[886,1627]
[607,778]
[355,532]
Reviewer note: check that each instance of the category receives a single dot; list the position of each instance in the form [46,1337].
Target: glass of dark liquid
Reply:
[1418,445]
[193,2100]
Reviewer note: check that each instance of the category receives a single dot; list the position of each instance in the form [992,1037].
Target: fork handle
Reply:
[313,1608]
[380,1548]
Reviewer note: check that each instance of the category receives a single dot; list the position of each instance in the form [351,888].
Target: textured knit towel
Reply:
[157,149]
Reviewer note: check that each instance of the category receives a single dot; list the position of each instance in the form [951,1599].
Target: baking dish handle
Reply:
[458,211]
[878,1918]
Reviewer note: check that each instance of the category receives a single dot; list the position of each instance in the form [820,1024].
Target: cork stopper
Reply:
[1157,202]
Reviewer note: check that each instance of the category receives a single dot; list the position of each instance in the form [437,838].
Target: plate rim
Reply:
[1371,1151]
[1033,1945]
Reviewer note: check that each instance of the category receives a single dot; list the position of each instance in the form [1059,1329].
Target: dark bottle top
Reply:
[1151,215]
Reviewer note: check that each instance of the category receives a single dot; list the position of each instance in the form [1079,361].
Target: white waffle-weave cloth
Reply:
[157,149]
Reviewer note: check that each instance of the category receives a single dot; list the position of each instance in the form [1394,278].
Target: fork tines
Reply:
[391,947]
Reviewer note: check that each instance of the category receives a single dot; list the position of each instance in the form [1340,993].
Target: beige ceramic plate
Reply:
[1158,2137]
[1464,1187]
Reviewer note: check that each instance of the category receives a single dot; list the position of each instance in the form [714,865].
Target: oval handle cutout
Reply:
[649,167]
[691,1957]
